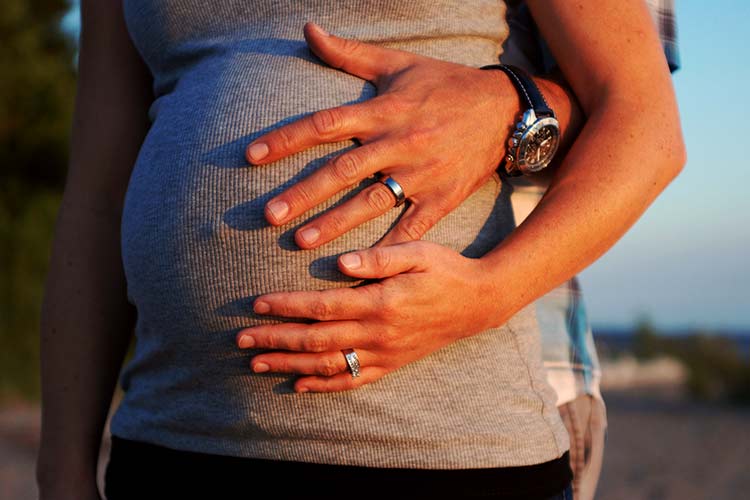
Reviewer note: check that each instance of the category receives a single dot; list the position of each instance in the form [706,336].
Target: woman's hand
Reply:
[436,127]
[430,296]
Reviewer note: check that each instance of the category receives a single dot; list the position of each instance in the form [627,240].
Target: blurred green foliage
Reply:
[37,92]
[27,218]
[647,343]
[717,368]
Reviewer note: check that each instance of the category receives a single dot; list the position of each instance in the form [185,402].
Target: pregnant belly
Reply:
[196,247]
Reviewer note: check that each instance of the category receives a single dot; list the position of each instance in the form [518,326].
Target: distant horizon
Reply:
[671,329]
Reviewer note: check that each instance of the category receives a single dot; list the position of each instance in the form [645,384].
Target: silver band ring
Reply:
[395,188]
[353,361]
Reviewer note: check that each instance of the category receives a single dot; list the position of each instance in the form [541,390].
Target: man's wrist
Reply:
[506,107]
[534,139]
[567,110]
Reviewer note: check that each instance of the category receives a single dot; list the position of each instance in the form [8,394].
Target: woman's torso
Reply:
[196,249]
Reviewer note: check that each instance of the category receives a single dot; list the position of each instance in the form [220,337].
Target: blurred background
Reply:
[669,304]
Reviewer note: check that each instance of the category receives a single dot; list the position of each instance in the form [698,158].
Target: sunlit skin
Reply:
[87,322]
[609,54]
[603,185]
[411,131]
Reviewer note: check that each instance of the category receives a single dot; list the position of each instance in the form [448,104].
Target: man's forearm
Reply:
[603,186]
[568,112]
[569,115]
[629,150]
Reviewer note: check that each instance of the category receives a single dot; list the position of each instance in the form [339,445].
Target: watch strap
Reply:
[526,88]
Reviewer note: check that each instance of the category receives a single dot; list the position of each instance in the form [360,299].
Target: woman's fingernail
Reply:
[351,261]
[278,209]
[247,341]
[303,389]
[261,307]
[261,367]
[258,151]
[310,235]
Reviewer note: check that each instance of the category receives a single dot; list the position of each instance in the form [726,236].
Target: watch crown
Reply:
[513,142]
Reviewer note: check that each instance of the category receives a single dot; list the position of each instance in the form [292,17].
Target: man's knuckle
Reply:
[385,338]
[446,204]
[335,224]
[270,342]
[326,122]
[327,367]
[314,343]
[345,169]
[392,105]
[382,258]
[380,198]
[301,195]
[282,365]
[284,139]
[351,46]
[288,308]
[418,139]
[320,310]
[415,228]
[388,306]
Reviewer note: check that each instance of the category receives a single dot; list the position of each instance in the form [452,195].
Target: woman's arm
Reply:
[629,150]
[86,320]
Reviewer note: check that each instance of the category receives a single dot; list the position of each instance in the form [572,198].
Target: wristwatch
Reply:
[536,137]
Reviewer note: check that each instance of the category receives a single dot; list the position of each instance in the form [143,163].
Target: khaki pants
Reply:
[586,420]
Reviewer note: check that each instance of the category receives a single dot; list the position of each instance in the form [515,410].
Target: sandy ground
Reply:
[659,446]
[663,447]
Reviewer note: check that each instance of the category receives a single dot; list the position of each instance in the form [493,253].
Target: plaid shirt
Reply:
[662,11]
[568,348]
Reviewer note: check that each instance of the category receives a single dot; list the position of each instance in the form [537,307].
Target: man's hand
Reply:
[436,127]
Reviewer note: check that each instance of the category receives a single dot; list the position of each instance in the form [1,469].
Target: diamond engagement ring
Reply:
[353,361]
[395,188]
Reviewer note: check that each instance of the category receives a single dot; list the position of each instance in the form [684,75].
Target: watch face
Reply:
[538,145]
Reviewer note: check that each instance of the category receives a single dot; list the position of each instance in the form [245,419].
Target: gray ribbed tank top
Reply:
[196,249]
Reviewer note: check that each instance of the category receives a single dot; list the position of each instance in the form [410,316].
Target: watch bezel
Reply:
[528,134]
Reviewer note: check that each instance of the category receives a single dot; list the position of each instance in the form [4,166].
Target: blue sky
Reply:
[685,262]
